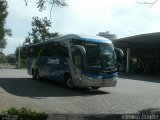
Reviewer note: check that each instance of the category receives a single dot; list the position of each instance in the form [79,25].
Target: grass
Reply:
[22,114]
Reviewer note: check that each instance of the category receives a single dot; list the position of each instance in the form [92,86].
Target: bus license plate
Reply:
[103,83]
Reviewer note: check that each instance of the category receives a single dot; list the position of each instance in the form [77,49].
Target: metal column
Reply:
[128,60]
[19,56]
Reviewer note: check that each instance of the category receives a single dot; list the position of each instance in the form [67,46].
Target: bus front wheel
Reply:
[69,83]
[95,88]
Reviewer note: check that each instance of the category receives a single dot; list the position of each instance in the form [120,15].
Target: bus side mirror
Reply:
[119,54]
[81,48]
[82,54]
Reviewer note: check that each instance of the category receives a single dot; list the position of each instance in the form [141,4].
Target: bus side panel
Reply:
[30,62]
[42,66]
[57,67]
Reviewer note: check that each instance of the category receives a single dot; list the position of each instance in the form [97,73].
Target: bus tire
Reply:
[68,83]
[36,75]
[33,74]
[95,88]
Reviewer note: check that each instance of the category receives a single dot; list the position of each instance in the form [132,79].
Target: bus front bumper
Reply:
[90,82]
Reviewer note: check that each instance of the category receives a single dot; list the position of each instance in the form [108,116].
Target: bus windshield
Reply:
[100,58]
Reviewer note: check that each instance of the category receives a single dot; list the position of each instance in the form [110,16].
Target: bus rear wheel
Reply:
[36,75]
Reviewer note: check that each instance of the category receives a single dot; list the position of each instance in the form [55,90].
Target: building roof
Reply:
[150,38]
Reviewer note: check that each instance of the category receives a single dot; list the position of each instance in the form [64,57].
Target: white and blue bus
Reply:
[75,60]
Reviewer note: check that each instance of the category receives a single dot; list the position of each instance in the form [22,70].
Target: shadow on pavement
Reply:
[151,111]
[148,78]
[125,116]
[147,114]
[86,117]
[39,89]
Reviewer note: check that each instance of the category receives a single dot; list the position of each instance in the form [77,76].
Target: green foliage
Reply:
[2,58]
[23,63]
[41,3]
[40,31]
[11,59]
[23,56]
[3,30]
[23,52]
[23,114]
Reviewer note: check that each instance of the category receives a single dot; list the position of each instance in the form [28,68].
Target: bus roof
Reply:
[82,37]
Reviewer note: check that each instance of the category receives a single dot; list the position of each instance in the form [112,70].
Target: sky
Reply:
[121,17]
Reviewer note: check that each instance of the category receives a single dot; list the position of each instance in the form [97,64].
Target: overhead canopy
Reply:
[150,38]
[144,50]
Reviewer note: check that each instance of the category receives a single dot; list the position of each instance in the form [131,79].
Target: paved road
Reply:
[132,94]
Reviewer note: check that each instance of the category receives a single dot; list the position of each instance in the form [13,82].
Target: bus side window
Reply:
[59,50]
[38,50]
[48,50]
[31,52]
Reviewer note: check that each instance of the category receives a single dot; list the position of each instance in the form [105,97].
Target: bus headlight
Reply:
[78,78]
[115,78]
[89,78]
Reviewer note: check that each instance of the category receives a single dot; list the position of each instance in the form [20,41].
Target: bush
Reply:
[22,114]
[23,63]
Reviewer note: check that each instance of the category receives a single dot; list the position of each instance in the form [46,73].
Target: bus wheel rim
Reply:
[69,83]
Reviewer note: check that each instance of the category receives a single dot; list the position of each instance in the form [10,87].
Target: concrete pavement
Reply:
[131,95]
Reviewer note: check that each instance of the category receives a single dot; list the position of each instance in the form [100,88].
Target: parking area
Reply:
[133,94]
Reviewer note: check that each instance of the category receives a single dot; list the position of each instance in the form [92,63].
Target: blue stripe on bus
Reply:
[101,76]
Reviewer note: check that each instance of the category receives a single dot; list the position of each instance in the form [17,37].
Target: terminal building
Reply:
[142,53]
[107,35]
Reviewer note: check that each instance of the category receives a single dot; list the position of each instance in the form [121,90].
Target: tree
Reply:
[41,3]
[3,30]
[11,59]
[2,57]
[23,56]
[40,31]
[148,3]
